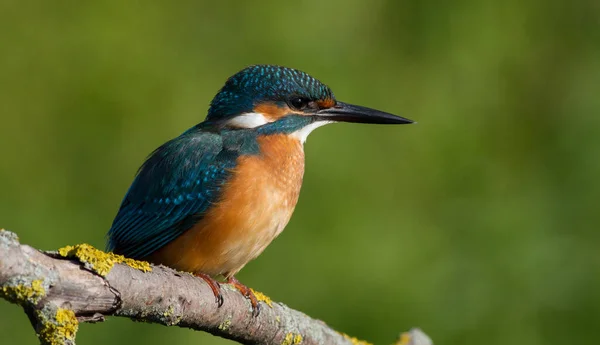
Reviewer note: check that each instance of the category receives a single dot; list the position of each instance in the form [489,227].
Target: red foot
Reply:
[246,292]
[214,286]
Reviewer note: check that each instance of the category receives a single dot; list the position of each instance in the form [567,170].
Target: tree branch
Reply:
[82,284]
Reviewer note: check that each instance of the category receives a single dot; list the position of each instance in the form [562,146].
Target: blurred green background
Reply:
[480,224]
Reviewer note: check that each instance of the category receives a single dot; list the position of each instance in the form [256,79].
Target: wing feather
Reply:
[170,193]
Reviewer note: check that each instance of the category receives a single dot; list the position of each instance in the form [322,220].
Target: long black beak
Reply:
[344,112]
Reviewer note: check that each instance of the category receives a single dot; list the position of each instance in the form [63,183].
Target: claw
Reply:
[214,286]
[246,292]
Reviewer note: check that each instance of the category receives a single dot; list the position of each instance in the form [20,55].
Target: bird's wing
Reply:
[170,193]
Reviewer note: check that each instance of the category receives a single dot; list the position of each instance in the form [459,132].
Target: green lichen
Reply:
[24,293]
[57,327]
[223,326]
[292,339]
[169,311]
[353,340]
[169,317]
[99,261]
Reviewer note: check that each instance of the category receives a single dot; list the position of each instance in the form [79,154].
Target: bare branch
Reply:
[82,284]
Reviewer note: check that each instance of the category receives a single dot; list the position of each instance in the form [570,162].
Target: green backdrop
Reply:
[479,224]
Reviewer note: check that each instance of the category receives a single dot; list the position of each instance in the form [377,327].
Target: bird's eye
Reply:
[299,103]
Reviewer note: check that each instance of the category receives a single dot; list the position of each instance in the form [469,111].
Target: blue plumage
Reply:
[173,188]
[180,180]
[263,83]
[286,125]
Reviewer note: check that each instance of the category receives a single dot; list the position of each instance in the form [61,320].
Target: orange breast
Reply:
[256,204]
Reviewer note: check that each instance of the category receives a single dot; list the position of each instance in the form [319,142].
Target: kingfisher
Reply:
[213,198]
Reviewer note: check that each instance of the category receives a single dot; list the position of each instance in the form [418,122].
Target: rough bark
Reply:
[81,284]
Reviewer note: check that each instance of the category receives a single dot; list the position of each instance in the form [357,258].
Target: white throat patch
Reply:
[301,134]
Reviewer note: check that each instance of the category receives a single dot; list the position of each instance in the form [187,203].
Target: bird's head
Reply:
[277,99]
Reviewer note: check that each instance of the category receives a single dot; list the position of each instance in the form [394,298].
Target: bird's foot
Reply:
[246,292]
[214,286]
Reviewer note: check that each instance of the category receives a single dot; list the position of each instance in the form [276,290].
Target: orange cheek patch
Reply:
[326,103]
[272,111]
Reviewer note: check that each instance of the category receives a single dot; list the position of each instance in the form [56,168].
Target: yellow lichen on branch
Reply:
[261,297]
[24,293]
[57,294]
[99,261]
[223,326]
[59,327]
[413,337]
[355,341]
[292,339]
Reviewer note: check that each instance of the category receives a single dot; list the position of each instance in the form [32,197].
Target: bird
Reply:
[213,198]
